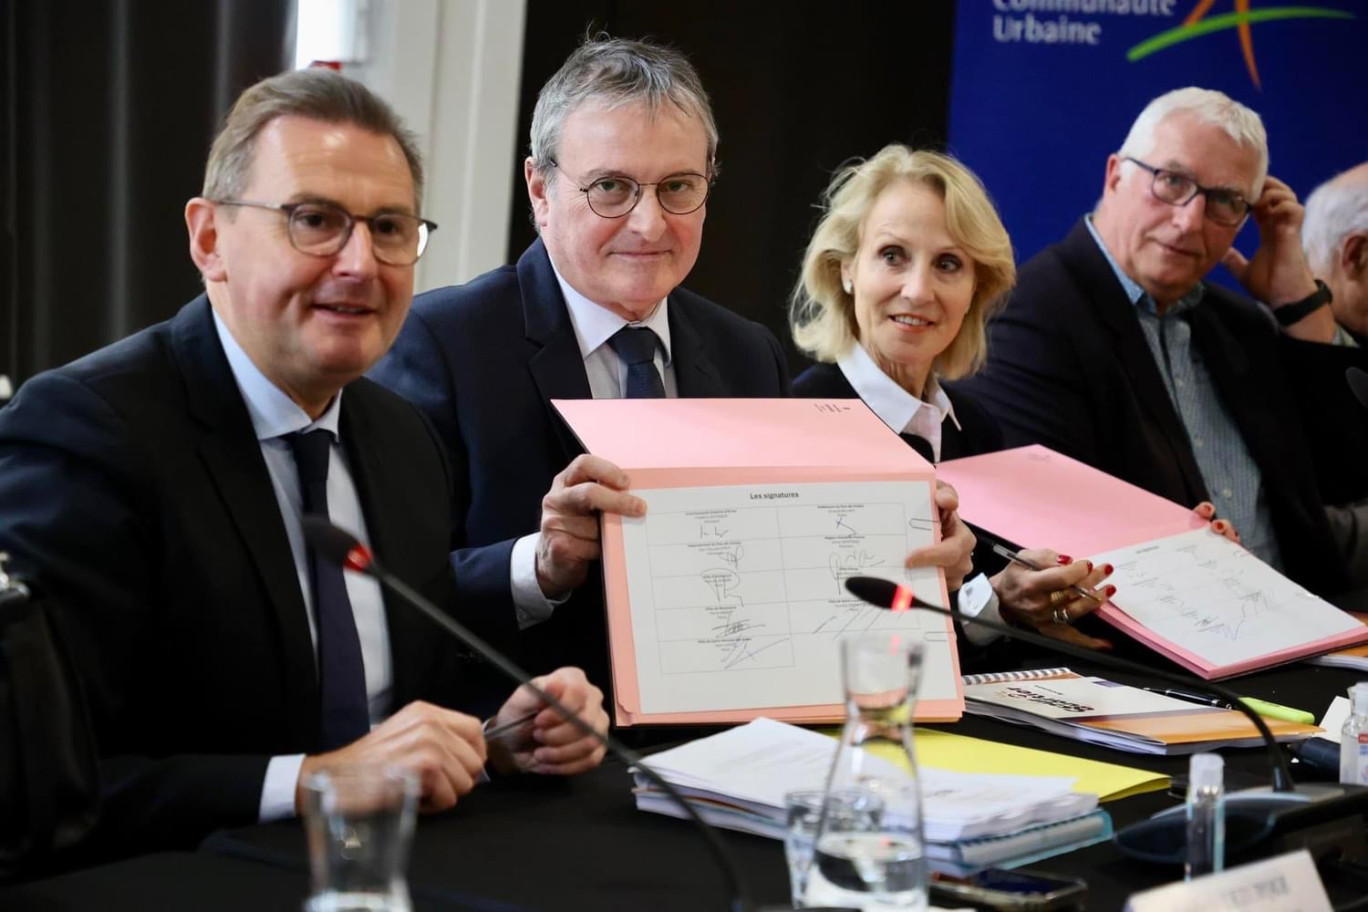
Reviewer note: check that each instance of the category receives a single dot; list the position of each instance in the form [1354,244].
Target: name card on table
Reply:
[1287,883]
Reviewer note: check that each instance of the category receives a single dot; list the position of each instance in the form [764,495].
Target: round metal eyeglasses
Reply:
[322,230]
[614,196]
[1224,207]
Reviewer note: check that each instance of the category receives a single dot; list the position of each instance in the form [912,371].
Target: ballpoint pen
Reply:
[1262,707]
[1016,558]
[499,731]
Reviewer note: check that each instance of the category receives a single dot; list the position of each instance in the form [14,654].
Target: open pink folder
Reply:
[674,443]
[1038,498]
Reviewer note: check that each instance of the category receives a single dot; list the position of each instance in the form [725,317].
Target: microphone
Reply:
[1320,817]
[340,547]
[1357,379]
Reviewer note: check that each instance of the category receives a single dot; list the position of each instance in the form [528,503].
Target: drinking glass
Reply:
[359,822]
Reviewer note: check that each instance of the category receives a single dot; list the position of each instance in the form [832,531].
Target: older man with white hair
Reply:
[1335,238]
[1115,351]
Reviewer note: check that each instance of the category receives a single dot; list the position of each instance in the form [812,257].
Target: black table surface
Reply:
[529,844]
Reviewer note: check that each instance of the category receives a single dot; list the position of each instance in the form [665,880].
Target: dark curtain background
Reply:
[109,109]
[797,88]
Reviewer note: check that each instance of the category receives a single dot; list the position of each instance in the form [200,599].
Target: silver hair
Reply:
[613,72]
[1334,210]
[1208,106]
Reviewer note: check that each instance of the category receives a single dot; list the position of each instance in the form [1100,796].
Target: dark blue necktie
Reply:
[341,671]
[636,346]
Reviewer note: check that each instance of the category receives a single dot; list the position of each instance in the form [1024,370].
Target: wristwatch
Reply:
[1298,310]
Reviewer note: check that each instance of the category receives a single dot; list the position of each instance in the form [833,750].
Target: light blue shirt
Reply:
[1231,475]
[275,415]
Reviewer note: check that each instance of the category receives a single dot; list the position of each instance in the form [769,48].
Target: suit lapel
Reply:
[231,454]
[695,374]
[557,366]
[1101,287]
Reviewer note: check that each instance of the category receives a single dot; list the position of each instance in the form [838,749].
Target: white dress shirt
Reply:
[907,414]
[594,325]
[273,416]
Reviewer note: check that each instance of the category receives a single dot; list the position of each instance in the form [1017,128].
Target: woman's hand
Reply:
[1045,601]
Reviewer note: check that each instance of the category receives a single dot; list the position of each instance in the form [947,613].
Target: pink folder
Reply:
[1038,498]
[669,443]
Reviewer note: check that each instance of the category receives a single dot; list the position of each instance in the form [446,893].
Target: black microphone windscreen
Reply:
[331,543]
[873,590]
[1358,382]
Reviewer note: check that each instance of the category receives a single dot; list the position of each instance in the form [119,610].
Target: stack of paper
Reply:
[738,779]
[1126,718]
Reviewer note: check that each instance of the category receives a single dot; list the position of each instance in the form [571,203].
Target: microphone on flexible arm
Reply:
[342,548]
[1324,818]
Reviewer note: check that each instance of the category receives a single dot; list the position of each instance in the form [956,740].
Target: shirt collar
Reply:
[895,406]
[1134,293]
[595,324]
[273,413]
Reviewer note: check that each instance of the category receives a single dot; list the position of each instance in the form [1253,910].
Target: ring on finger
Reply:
[1061,616]
[1058,597]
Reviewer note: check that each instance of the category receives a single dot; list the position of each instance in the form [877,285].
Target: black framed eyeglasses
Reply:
[1224,207]
[615,196]
[322,229]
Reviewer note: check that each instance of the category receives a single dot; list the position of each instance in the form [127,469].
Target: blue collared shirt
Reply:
[1232,477]
[275,415]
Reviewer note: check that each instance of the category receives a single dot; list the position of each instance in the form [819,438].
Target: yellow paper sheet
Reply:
[1108,781]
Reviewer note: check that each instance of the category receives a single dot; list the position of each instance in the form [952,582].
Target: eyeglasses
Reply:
[614,197]
[322,230]
[1224,207]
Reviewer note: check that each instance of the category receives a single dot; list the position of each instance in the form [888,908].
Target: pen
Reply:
[1189,697]
[1277,711]
[499,731]
[1262,707]
[1016,558]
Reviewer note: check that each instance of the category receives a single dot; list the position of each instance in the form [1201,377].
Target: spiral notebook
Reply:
[1092,709]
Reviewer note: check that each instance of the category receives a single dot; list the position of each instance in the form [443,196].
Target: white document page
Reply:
[1213,598]
[738,593]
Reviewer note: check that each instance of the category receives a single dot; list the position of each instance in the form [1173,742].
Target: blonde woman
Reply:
[906,266]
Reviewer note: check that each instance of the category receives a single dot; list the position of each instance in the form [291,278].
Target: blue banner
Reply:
[1044,90]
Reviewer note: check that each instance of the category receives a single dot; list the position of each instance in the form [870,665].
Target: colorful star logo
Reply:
[1196,25]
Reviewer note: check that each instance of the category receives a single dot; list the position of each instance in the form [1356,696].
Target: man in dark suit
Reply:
[1113,350]
[623,158]
[155,490]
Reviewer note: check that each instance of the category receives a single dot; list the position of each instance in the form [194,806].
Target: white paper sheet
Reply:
[1216,600]
[738,596]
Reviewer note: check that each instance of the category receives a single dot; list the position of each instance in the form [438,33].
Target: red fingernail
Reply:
[1088,564]
[1110,591]
[1064,559]
[1219,525]
[1108,569]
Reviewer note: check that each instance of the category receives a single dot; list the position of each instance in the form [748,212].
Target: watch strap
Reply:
[1299,310]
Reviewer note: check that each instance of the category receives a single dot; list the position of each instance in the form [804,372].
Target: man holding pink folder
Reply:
[622,161]
[1114,351]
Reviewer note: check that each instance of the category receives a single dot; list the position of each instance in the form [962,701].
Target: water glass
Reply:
[359,822]
[804,818]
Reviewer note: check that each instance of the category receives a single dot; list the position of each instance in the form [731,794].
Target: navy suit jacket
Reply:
[134,492]
[1069,367]
[483,361]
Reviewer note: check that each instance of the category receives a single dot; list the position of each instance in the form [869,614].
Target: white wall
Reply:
[451,69]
